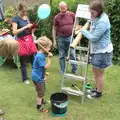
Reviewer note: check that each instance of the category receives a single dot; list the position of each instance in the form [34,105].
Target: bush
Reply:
[7,22]
[45,26]
[112,7]
[113,10]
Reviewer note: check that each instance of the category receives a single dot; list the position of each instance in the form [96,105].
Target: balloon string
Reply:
[38,21]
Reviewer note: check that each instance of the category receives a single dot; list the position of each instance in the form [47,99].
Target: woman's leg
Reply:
[97,62]
[31,59]
[23,68]
[99,78]
[100,61]
[94,80]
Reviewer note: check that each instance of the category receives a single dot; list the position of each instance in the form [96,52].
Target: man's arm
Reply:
[54,36]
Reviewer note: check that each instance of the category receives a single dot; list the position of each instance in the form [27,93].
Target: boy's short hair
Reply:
[44,41]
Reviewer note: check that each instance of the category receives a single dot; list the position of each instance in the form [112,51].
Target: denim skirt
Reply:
[101,60]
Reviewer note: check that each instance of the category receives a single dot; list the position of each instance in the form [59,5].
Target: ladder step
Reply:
[82,48]
[67,75]
[72,91]
[77,62]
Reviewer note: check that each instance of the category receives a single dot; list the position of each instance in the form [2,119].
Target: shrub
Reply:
[113,10]
[45,26]
[7,23]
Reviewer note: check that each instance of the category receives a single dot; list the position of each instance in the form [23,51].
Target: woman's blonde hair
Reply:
[8,47]
[44,41]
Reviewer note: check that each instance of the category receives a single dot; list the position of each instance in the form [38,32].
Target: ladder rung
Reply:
[67,75]
[72,91]
[81,48]
[78,62]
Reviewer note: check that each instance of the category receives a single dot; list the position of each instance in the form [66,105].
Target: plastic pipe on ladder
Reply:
[79,36]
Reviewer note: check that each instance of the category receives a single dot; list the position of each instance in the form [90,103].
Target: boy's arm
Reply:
[48,64]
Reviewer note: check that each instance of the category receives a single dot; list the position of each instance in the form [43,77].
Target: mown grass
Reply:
[19,100]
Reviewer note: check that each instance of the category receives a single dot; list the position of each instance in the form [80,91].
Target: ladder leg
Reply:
[63,78]
[83,96]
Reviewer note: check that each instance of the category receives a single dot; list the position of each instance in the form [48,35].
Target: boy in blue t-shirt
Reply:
[39,66]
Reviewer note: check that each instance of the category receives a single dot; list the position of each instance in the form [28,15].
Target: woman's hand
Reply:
[29,25]
[77,29]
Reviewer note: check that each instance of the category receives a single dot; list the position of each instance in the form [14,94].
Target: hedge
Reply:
[112,8]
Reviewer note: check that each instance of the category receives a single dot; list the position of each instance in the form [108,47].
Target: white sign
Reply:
[83,11]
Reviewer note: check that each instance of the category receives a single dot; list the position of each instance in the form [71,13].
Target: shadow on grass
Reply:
[9,64]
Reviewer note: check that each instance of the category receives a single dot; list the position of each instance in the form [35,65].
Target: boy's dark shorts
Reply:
[40,88]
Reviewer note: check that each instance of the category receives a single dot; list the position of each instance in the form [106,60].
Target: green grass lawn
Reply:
[19,100]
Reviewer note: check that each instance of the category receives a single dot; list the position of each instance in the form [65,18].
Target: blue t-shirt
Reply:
[38,71]
[21,23]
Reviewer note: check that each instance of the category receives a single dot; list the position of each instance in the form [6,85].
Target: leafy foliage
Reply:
[9,13]
[113,10]
[45,26]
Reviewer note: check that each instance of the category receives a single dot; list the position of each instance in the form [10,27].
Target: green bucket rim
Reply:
[59,115]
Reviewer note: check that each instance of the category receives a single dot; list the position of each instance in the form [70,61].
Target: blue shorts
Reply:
[101,60]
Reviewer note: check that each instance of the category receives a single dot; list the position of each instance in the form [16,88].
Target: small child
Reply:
[38,71]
